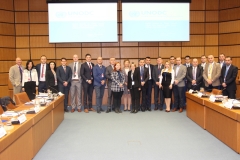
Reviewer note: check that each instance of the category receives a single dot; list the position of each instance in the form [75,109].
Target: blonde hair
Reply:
[170,67]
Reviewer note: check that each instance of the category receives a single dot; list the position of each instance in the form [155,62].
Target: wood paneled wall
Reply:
[24,33]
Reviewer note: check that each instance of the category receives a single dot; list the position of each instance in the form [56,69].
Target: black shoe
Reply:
[125,110]
[143,110]
[116,111]
[101,110]
[113,109]
[156,108]
[149,109]
[108,110]
[135,111]
[119,111]
[66,110]
[160,108]
[98,111]
[132,111]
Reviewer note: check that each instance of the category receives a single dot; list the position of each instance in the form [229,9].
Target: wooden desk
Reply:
[26,140]
[221,122]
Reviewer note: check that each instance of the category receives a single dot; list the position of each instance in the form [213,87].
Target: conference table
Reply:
[221,122]
[24,140]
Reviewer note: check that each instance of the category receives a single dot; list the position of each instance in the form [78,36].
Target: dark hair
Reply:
[115,66]
[141,59]
[54,65]
[148,57]
[229,57]
[203,56]
[43,56]
[88,55]
[28,64]
[63,58]
[172,57]
[187,56]
[222,54]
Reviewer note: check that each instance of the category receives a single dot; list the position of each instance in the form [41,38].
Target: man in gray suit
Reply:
[15,76]
[179,84]
[211,74]
[108,72]
[76,84]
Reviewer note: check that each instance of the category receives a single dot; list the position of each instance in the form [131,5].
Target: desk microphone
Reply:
[53,89]
[196,85]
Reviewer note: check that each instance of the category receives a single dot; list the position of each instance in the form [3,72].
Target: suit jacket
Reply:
[99,75]
[216,73]
[145,75]
[189,76]
[151,66]
[156,73]
[26,76]
[136,79]
[108,73]
[71,65]
[62,76]
[186,65]
[181,75]
[231,76]
[15,76]
[224,64]
[116,80]
[38,68]
[86,72]
[50,79]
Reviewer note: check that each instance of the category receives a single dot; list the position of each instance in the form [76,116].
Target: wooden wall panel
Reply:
[230,50]
[39,29]
[4,79]
[68,45]
[211,16]
[7,29]
[68,53]
[229,14]
[24,54]
[236,61]
[228,27]
[224,4]
[21,17]
[39,5]
[5,65]
[197,28]
[211,28]
[22,42]
[148,44]
[21,5]
[6,4]
[197,5]
[129,52]
[212,4]
[110,52]
[91,44]
[175,44]
[110,44]
[7,41]
[211,50]
[148,51]
[38,17]
[127,43]
[7,54]
[95,52]
[197,16]
[211,40]
[36,53]
[166,52]
[228,39]
[40,41]
[192,51]
[22,29]
[195,40]
[8,16]
[4,91]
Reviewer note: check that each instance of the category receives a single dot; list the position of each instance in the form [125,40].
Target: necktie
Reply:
[64,68]
[90,66]
[42,71]
[74,69]
[20,70]
[142,71]
[149,68]
[194,73]
[210,71]
[225,75]
[159,66]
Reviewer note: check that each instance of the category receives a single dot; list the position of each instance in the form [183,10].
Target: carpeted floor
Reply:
[154,135]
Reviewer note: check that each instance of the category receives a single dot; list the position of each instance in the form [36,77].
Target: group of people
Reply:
[130,83]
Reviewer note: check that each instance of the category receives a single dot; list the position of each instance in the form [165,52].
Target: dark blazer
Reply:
[50,80]
[109,70]
[155,74]
[145,75]
[99,75]
[38,68]
[199,76]
[230,78]
[136,79]
[62,76]
[151,66]
[86,72]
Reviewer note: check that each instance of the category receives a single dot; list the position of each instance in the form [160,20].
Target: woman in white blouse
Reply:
[30,80]
[165,82]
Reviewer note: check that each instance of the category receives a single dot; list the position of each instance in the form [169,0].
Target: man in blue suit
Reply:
[99,83]
[64,76]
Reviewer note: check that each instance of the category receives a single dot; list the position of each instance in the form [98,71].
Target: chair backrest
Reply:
[1,110]
[216,91]
[21,98]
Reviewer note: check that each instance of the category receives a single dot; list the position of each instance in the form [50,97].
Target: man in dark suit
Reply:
[194,75]
[222,60]
[87,82]
[228,78]
[203,64]
[41,70]
[157,91]
[144,75]
[150,83]
[99,83]
[64,76]
[187,64]
[108,73]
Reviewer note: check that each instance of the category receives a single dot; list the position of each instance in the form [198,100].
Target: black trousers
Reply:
[158,93]
[87,95]
[230,93]
[30,89]
[144,92]
[117,96]
[65,91]
[42,87]
[149,93]
[135,96]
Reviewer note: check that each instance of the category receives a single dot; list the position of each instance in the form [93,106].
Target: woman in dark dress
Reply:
[51,78]
[165,82]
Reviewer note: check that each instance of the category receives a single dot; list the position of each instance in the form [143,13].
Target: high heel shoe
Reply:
[167,111]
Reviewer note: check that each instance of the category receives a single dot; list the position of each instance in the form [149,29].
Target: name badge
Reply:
[37,109]
[102,75]
[190,91]
[2,132]
[133,83]
[22,118]
[212,98]
[199,94]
